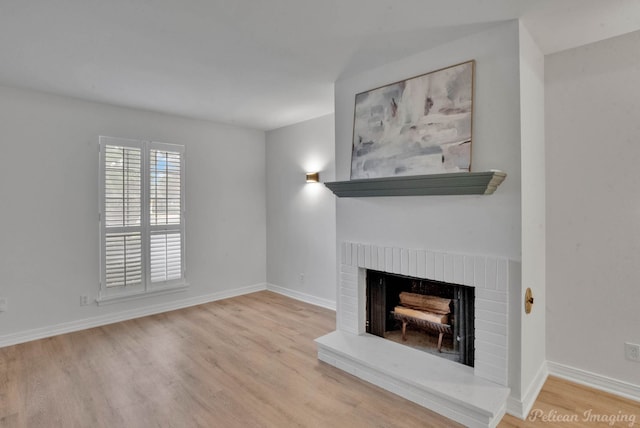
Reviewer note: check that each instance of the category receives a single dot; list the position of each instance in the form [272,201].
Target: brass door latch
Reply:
[528,301]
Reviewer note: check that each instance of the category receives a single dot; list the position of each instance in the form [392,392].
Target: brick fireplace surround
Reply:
[474,396]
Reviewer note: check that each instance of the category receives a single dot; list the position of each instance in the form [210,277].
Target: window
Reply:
[141,218]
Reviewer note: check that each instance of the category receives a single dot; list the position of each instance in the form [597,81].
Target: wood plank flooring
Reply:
[249,361]
[563,404]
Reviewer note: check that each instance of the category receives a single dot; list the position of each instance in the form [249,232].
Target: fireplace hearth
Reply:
[432,316]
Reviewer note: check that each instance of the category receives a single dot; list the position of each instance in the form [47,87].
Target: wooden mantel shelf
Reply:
[457,183]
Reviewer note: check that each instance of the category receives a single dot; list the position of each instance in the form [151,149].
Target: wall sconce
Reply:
[313,177]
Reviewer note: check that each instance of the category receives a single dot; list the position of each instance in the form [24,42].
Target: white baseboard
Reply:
[83,324]
[521,408]
[596,381]
[303,297]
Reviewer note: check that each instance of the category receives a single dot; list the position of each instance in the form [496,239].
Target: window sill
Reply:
[118,298]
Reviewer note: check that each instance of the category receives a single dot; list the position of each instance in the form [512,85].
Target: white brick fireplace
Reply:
[474,396]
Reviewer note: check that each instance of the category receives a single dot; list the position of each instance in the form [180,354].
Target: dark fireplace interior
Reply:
[435,317]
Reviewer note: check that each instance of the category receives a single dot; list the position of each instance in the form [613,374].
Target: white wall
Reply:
[593,206]
[487,225]
[49,193]
[301,217]
[532,326]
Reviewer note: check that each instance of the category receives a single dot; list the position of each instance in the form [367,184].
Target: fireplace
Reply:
[432,316]
[474,394]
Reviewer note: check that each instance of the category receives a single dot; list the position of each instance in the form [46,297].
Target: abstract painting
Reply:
[417,126]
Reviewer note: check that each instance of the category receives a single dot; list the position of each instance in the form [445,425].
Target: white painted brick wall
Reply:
[488,275]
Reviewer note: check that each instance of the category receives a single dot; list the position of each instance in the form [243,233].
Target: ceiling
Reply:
[262,64]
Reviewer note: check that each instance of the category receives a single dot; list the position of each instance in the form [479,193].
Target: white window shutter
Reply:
[166,256]
[122,186]
[165,187]
[123,259]
[121,193]
[166,204]
[142,216]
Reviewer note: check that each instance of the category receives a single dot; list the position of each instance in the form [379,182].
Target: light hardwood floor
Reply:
[249,361]
[565,404]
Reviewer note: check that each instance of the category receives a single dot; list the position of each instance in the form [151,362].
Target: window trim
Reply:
[146,288]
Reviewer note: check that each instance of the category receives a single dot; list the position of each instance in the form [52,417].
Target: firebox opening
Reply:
[432,316]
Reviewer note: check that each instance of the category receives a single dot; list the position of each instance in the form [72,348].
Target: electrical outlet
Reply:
[632,351]
[301,278]
[84,300]
[3,304]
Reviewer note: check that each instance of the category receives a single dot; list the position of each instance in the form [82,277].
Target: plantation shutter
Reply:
[142,217]
[165,212]
[122,181]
